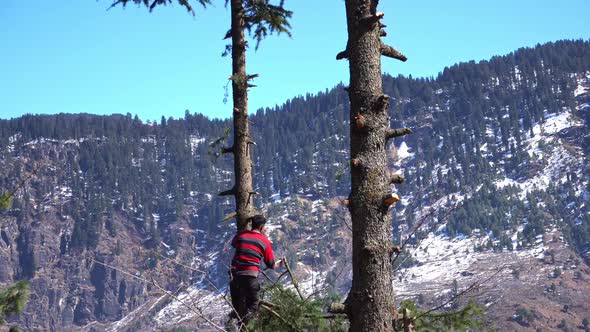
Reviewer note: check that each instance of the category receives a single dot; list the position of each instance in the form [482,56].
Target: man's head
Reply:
[258,222]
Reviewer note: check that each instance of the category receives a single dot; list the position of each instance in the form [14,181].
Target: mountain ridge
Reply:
[115,190]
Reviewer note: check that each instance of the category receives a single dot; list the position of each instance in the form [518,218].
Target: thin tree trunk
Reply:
[242,189]
[370,303]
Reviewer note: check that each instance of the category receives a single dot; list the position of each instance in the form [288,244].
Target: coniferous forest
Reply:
[473,140]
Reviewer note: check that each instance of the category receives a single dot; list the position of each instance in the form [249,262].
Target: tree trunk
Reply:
[370,303]
[242,190]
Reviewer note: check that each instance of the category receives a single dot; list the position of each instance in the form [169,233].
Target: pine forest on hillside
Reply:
[498,152]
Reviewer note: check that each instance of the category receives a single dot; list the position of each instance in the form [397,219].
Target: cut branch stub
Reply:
[381,104]
[389,199]
[382,33]
[229,216]
[346,202]
[391,52]
[356,162]
[396,132]
[372,19]
[342,55]
[227,150]
[358,120]
[229,192]
[396,179]
[251,77]
[338,308]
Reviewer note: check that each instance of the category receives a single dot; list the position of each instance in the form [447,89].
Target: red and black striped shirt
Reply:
[251,248]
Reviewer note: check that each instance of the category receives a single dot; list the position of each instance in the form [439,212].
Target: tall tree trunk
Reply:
[242,189]
[370,303]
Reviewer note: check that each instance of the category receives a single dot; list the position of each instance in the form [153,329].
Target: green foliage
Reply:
[5,201]
[293,314]
[13,298]
[466,318]
[151,4]
[261,18]
[524,316]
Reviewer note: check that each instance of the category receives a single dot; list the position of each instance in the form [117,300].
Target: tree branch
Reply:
[293,280]
[342,55]
[230,215]
[391,52]
[372,19]
[389,199]
[396,179]
[381,103]
[391,132]
[468,289]
[338,308]
[228,192]
[197,310]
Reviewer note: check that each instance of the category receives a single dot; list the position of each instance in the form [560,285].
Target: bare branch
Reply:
[473,286]
[342,55]
[152,282]
[251,77]
[391,52]
[227,150]
[205,274]
[372,19]
[338,308]
[230,215]
[391,132]
[293,280]
[228,192]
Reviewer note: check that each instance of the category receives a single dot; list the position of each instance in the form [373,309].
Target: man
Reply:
[252,246]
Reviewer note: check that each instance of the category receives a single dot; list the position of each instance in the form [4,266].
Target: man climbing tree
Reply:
[369,304]
[252,247]
[259,18]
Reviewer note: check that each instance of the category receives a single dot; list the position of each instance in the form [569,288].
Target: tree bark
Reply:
[370,303]
[240,148]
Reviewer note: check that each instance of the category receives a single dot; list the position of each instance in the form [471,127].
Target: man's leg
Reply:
[251,289]
[236,297]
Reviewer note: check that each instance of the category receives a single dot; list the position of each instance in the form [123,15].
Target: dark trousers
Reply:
[244,295]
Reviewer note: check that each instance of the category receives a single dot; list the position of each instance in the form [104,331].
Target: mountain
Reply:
[495,199]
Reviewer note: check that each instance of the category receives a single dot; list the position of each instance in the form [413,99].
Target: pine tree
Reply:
[13,297]
[369,304]
[259,19]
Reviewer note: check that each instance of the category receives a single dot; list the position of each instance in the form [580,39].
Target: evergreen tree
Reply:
[259,18]
[369,304]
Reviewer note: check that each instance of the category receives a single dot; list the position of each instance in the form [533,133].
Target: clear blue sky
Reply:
[75,56]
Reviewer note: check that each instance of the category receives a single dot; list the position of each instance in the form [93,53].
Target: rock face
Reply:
[68,287]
